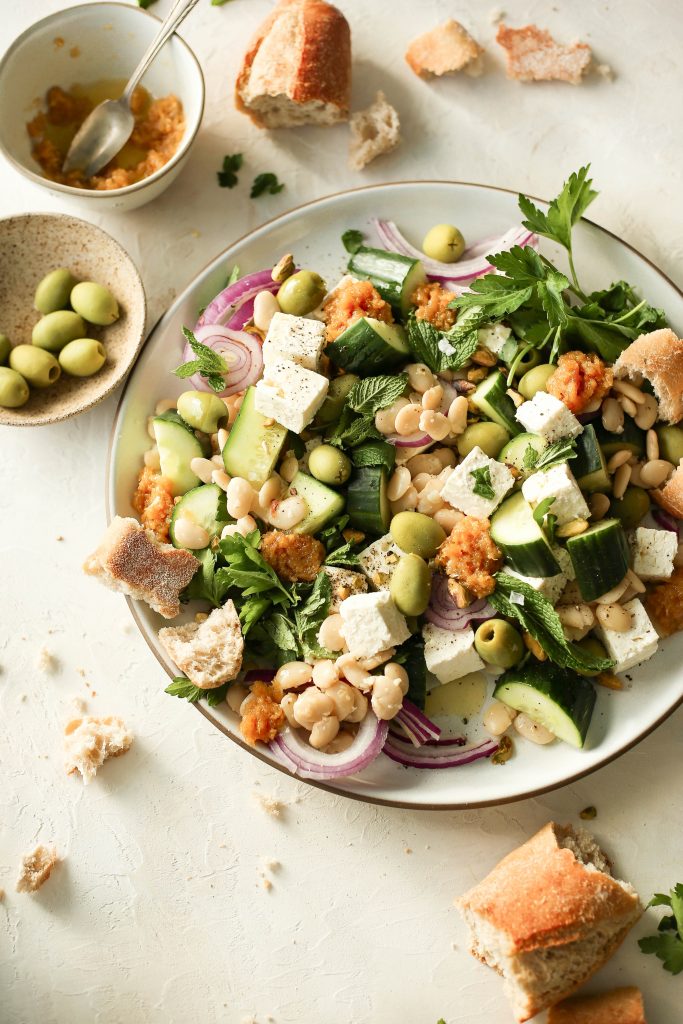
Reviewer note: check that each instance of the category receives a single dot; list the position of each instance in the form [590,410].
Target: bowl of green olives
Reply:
[72,317]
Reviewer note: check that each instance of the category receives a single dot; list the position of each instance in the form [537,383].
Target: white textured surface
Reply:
[159,912]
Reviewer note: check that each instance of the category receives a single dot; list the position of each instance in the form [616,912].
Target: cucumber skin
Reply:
[366,502]
[598,567]
[504,415]
[221,519]
[362,350]
[632,437]
[234,450]
[589,466]
[573,694]
[383,270]
[542,562]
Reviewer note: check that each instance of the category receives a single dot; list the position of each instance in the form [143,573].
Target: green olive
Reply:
[630,509]
[411,585]
[535,379]
[670,444]
[82,357]
[40,368]
[329,465]
[13,388]
[5,349]
[444,242]
[95,303]
[591,645]
[54,290]
[529,360]
[201,410]
[490,437]
[417,534]
[499,643]
[334,399]
[56,329]
[301,293]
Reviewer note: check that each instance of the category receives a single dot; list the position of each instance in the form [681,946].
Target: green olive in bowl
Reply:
[411,585]
[329,465]
[94,303]
[54,290]
[14,390]
[535,380]
[490,437]
[57,329]
[417,534]
[36,366]
[82,357]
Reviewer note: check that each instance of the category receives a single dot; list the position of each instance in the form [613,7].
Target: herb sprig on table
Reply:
[667,944]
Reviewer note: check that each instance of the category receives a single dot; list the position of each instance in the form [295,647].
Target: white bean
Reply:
[399,483]
[265,308]
[446,457]
[375,660]
[360,707]
[425,462]
[235,696]
[287,513]
[531,730]
[421,480]
[652,446]
[614,617]
[433,397]
[324,731]
[289,468]
[617,592]
[624,387]
[435,424]
[648,413]
[341,742]
[344,700]
[498,718]
[293,674]
[654,473]
[576,616]
[457,414]
[271,489]
[387,697]
[447,518]
[408,420]
[430,501]
[312,706]
[407,503]
[331,634]
[220,477]
[189,534]
[203,468]
[621,481]
[240,496]
[612,416]
[353,673]
[420,377]
[398,673]
[287,704]
[325,674]
[385,419]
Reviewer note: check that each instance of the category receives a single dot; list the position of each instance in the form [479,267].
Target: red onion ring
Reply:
[443,611]
[418,727]
[241,350]
[224,306]
[665,520]
[415,440]
[432,757]
[306,762]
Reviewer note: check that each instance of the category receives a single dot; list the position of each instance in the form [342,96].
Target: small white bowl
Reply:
[87,44]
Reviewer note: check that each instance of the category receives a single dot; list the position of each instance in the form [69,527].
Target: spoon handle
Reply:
[178,12]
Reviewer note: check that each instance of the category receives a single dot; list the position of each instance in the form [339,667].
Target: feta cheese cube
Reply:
[450,654]
[549,417]
[290,394]
[345,582]
[493,337]
[635,645]
[295,339]
[378,561]
[653,553]
[371,623]
[461,486]
[558,483]
[564,561]
[549,587]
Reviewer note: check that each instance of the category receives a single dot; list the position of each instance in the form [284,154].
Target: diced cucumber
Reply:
[556,698]
[369,346]
[323,503]
[521,539]
[177,447]
[254,443]
[492,399]
[600,558]
[514,451]
[366,500]
[589,466]
[203,505]
[395,277]
[337,393]
[632,437]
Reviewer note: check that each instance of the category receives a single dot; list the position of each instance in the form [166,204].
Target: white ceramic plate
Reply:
[312,233]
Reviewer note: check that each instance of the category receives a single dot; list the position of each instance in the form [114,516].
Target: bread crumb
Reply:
[444,50]
[496,14]
[2,895]
[90,741]
[266,882]
[374,131]
[534,56]
[36,868]
[270,805]
[60,537]
[81,672]
[272,865]
[46,661]
[407,850]
[78,704]
[605,71]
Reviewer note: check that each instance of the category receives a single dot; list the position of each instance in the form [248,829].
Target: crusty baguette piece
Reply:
[297,68]
[443,51]
[132,561]
[208,652]
[620,1006]
[374,131]
[548,916]
[89,741]
[36,868]
[670,496]
[658,357]
[533,56]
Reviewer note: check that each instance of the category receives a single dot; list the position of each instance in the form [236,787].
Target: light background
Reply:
[159,912]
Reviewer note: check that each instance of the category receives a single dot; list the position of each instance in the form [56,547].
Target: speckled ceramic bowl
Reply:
[33,244]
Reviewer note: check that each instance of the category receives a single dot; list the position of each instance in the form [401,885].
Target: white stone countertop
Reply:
[159,912]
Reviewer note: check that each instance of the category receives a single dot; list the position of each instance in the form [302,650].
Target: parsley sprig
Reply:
[667,944]
[265,184]
[183,688]
[208,363]
[227,176]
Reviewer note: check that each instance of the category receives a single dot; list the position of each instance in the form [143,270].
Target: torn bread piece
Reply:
[374,131]
[534,56]
[208,652]
[132,561]
[670,496]
[36,868]
[90,741]
[620,1006]
[548,916]
[444,50]
[658,357]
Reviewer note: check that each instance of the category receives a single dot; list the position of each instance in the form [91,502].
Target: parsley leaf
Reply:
[203,586]
[667,945]
[227,176]
[340,551]
[370,395]
[375,453]
[295,634]
[182,687]
[482,482]
[208,363]
[248,571]
[265,183]
[554,455]
[352,240]
[447,350]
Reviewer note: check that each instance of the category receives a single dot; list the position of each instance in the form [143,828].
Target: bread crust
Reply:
[443,50]
[321,69]
[534,56]
[670,496]
[620,1006]
[658,357]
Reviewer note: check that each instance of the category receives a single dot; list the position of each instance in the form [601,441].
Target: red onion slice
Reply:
[436,757]
[413,719]
[415,440]
[444,612]
[224,305]
[241,351]
[308,763]
[665,520]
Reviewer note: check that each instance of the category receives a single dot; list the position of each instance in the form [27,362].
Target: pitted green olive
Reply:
[444,242]
[5,349]
[529,360]
[535,379]
[56,329]
[13,388]
[38,367]
[82,357]
[591,645]
[490,437]
[301,292]
[201,410]
[334,399]
[630,509]
[94,303]
[411,585]
[499,643]
[329,465]
[54,290]
[670,444]
[417,534]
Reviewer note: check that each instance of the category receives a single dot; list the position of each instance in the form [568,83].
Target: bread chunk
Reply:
[208,652]
[670,496]
[132,561]
[548,916]
[90,741]
[36,868]
[658,357]
[534,56]
[620,1006]
[444,50]
[374,131]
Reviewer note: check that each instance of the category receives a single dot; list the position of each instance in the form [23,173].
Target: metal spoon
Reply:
[109,126]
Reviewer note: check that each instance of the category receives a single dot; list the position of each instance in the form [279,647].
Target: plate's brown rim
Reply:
[47,420]
[368,798]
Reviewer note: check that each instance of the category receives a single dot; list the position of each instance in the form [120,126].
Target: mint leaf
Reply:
[447,350]
[530,457]
[375,453]
[374,393]
[352,430]
[265,183]
[482,482]
[227,176]
[352,240]
[208,363]
[554,455]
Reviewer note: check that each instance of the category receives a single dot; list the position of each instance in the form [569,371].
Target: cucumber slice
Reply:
[557,698]
[369,346]
[205,506]
[323,503]
[366,500]
[589,466]
[177,447]
[491,398]
[514,451]
[522,540]
[337,393]
[254,443]
[632,437]
[600,558]
[395,277]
